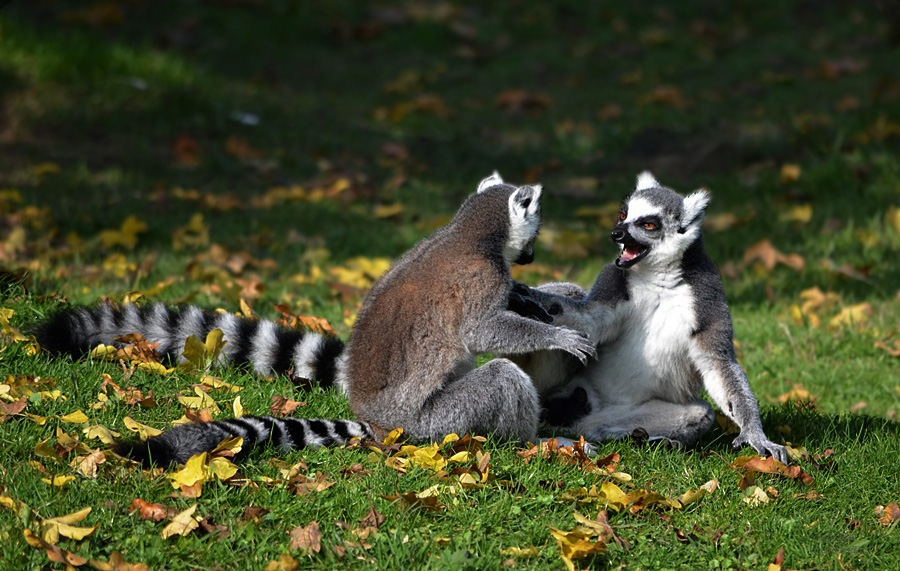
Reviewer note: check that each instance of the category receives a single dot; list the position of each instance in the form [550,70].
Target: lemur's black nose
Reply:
[617,234]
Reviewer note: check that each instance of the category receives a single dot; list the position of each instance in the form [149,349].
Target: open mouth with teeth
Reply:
[631,253]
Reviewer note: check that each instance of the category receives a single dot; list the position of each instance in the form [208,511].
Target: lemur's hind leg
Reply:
[497,398]
[683,423]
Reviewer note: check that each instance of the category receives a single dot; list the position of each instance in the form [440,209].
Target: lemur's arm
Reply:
[727,384]
[523,303]
[504,332]
[596,319]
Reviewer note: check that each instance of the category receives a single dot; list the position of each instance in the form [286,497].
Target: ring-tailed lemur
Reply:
[411,357]
[663,331]
[267,347]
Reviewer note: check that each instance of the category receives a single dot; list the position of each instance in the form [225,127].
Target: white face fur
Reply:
[655,236]
[524,219]
[524,222]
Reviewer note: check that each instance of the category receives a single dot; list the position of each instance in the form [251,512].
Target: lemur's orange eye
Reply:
[649,225]
[622,216]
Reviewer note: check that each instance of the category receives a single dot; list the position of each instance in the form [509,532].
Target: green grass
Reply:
[403,101]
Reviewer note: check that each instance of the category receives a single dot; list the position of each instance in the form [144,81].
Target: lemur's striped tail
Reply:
[268,347]
[177,445]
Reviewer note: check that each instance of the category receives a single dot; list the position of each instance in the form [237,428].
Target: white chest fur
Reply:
[650,356]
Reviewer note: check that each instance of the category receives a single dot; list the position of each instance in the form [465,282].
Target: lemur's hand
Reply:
[521,302]
[762,445]
[573,342]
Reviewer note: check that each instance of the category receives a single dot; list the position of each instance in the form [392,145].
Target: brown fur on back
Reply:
[407,341]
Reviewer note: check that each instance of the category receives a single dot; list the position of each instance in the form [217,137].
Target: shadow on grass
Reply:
[803,426]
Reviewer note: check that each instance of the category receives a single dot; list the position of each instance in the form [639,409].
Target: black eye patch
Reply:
[651,223]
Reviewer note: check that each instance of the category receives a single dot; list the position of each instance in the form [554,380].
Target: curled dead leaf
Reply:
[888,515]
[283,406]
[308,538]
[768,257]
[54,553]
[427,499]
[151,511]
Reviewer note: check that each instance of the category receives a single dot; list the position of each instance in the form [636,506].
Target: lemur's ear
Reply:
[694,205]
[646,180]
[525,200]
[490,181]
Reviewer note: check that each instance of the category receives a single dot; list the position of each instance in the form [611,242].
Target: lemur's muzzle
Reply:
[632,250]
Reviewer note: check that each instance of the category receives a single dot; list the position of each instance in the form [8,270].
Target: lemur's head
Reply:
[656,224]
[524,218]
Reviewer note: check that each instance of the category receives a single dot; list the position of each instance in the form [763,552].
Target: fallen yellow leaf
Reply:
[284,563]
[54,527]
[199,402]
[790,172]
[853,315]
[144,431]
[193,472]
[75,417]
[58,481]
[105,435]
[576,544]
[202,354]
[520,552]
[801,213]
[892,218]
[182,524]
[755,496]
[125,236]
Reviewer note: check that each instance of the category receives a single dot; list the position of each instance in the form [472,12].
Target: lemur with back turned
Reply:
[410,361]
[662,328]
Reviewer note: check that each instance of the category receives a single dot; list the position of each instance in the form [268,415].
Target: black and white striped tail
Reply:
[177,445]
[268,347]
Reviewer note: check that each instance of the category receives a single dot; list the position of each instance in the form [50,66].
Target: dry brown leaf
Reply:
[888,515]
[187,151]
[303,485]
[426,499]
[766,254]
[519,101]
[665,95]
[372,519]
[87,465]
[117,563]
[893,350]
[54,552]
[834,68]
[798,393]
[240,149]
[8,410]
[770,465]
[151,511]
[253,513]
[282,406]
[217,530]
[308,538]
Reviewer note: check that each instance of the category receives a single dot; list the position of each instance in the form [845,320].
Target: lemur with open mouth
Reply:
[663,332]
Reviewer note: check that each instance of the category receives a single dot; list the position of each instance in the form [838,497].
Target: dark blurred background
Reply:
[788,111]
